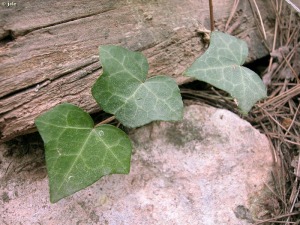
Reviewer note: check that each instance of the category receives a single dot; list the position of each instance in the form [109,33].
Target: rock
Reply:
[209,168]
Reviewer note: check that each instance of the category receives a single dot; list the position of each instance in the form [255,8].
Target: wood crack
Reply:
[16,33]
[58,62]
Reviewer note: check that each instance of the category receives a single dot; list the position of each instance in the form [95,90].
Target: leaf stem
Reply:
[211,14]
[108,120]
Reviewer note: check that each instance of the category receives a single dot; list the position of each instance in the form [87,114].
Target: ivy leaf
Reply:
[220,67]
[77,154]
[123,90]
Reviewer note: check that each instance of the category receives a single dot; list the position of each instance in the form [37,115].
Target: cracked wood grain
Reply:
[49,50]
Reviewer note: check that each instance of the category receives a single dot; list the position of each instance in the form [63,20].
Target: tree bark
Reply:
[49,49]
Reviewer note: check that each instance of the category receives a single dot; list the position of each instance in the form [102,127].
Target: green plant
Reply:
[79,153]
[123,90]
[220,66]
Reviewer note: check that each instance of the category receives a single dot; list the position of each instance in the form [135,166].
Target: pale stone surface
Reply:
[209,168]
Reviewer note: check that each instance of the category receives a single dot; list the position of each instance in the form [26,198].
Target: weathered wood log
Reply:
[49,49]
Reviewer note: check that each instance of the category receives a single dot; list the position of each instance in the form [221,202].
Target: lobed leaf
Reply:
[124,91]
[220,67]
[77,154]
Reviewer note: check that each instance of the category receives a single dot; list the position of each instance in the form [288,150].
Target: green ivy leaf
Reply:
[123,90]
[77,154]
[220,67]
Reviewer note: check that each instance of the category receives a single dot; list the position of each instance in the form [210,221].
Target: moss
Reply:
[5,197]
[183,132]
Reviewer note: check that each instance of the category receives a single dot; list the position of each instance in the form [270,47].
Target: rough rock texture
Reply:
[208,169]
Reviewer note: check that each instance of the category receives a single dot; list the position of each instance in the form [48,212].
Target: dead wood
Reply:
[49,49]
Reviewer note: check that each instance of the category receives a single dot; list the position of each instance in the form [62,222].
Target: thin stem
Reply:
[211,14]
[260,19]
[274,39]
[235,4]
[108,120]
